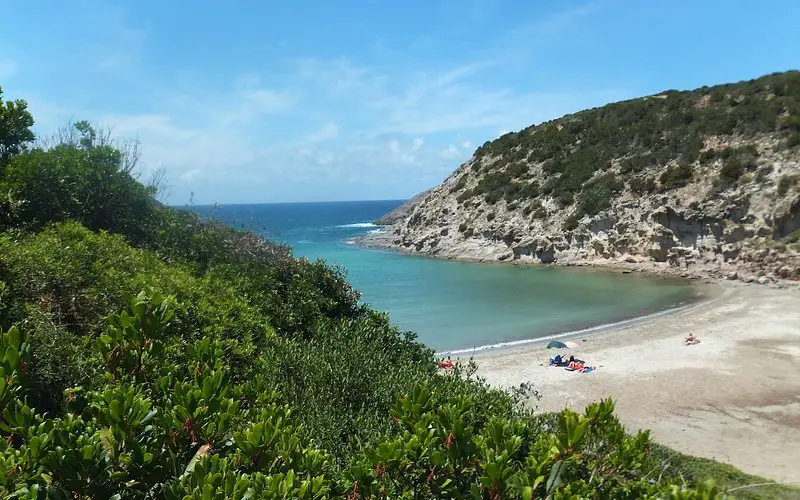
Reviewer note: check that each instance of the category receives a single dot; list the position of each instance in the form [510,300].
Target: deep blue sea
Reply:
[454,305]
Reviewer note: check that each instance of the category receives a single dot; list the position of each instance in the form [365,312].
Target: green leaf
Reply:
[15,337]
[12,357]
[554,480]
[116,409]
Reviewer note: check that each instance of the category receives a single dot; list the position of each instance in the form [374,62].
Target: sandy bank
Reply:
[735,397]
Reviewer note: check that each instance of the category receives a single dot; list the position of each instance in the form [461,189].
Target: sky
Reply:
[249,102]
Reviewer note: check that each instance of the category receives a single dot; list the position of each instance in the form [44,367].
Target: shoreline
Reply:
[382,241]
[712,295]
[735,397]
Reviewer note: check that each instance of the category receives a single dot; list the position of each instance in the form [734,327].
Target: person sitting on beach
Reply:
[691,340]
[557,361]
[574,364]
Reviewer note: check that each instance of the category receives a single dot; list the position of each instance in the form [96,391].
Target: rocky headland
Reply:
[704,183]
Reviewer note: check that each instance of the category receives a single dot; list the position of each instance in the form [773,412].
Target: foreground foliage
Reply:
[153,427]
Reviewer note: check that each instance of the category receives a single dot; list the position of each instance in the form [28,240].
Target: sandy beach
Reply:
[735,397]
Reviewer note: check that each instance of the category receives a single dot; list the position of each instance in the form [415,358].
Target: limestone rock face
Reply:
[695,229]
[699,183]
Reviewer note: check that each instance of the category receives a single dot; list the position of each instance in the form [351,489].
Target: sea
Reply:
[456,306]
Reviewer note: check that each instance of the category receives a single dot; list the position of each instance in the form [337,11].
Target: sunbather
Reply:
[446,364]
[691,340]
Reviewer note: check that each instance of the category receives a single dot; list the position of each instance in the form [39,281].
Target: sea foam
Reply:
[359,224]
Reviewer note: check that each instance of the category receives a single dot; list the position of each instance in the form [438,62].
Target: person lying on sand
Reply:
[691,340]
[575,364]
[446,364]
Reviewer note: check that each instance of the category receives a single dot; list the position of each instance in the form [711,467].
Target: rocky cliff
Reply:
[702,183]
[402,212]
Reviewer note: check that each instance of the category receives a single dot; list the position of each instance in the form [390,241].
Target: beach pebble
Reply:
[763,280]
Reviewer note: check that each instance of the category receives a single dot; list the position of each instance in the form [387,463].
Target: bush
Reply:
[84,184]
[571,222]
[597,194]
[461,184]
[676,176]
[793,140]
[159,428]
[730,173]
[641,185]
[786,183]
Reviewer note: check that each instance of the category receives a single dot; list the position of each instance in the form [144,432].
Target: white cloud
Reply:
[450,152]
[417,143]
[394,146]
[267,100]
[329,131]
[189,175]
[466,145]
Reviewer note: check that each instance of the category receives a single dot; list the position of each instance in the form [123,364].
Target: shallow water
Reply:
[455,305]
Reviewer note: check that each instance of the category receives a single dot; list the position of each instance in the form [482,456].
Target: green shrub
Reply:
[186,429]
[15,128]
[793,140]
[730,173]
[786,183]
[676,176]
[565,199]
[84,184]
[461,184]
[597,194]
[736,162]
[571,222]
[707,156]
[641,185]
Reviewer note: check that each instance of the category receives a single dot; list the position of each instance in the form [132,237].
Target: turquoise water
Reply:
[455,305]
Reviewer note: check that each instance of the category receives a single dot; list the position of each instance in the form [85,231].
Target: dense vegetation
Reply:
[636,138]
[145,353]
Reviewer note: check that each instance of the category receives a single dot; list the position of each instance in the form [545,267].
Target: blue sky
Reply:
[311,101]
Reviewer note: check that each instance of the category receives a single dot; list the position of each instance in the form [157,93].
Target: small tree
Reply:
[15,128]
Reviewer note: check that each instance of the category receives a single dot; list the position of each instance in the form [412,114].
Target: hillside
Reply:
[703,182]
